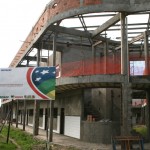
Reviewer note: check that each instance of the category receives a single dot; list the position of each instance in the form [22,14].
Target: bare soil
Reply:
[54,147]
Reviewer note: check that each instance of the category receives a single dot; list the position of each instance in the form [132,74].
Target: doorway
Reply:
[46,119]
[62,120]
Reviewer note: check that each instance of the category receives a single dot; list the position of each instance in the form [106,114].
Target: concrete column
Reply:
[12,111]
[105,56]
[126,109]
[24,114]
[148,114]
[124,46]
[2,111]
[17,110]
[126,86]
[27,117]
[51,101]
[93,51]
[36,117]
[36,105]
[93,58]
[114,62]
[38,57]
[48,59]
[146,53]
[27,63]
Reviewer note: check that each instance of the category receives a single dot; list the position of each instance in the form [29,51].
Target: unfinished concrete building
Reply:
[95,45]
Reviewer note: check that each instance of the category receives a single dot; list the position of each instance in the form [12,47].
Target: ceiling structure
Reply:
[87,30]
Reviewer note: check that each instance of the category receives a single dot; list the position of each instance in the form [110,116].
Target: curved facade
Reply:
[56,11]
[95,45]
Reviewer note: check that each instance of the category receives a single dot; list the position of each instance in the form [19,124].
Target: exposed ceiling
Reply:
[91,29]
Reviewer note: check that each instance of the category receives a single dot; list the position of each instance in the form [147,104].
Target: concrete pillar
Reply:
[38,57]
[27,117]
[93,51]
[126,86]
[148,114]
[114,63]
[36,105]
[51,101]
[105,56]
[17,111]
[124,46]
[24,114]
[126,109]
[11,107]
[146,53]
[27,63]
[93,58]
[48,64]
[36,117]
[4,114]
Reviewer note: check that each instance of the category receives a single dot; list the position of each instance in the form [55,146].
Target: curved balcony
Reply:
[101,72]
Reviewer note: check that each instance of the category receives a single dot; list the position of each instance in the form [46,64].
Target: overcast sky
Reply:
[17,17]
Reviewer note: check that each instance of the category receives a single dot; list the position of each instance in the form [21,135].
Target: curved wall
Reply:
[60,9]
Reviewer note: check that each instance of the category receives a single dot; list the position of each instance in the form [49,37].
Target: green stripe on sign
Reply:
[47,86]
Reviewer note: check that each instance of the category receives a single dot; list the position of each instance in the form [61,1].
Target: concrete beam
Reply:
[69,31]
[135,39]
[66,83]
[26,65]
[90,79]
[35,58]
[106,25]
[140,79]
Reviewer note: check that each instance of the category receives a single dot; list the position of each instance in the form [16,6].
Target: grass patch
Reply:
[23,139]
[141,129]
[5,146]
[26,141]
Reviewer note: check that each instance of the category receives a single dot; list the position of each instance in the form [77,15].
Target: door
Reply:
[46,118]
[62,120]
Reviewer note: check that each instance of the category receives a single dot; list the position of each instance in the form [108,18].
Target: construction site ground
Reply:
[63,140]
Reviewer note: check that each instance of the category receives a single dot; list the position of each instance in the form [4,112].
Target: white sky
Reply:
[17,17]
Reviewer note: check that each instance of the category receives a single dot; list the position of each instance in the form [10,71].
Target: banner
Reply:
[28,83]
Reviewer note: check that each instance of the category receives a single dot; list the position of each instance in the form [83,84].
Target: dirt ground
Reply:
[54,147]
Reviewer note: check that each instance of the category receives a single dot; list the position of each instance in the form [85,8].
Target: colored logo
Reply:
[42,81]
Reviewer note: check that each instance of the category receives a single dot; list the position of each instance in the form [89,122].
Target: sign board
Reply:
[28,83]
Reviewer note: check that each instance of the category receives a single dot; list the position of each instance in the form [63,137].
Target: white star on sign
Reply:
[37,79]
[44,72]
[36,71]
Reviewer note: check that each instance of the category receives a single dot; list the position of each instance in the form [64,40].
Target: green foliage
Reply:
[26,141]
[141,130]
[5,146]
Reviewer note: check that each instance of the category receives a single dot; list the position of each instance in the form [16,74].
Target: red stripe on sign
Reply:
[29,72]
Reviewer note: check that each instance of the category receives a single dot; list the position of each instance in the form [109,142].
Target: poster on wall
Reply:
[28,83]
